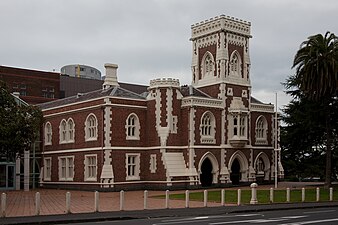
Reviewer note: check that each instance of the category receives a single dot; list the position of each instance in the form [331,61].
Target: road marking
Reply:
[200,218]
[293,217]
[311,222]
[322,211]
[250,221]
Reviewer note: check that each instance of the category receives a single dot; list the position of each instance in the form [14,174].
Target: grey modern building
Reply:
[82,71]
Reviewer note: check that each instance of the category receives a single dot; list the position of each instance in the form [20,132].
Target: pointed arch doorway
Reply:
[206,176]
[235,175]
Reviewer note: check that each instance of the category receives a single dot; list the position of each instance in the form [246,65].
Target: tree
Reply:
[19,125]
[316,79]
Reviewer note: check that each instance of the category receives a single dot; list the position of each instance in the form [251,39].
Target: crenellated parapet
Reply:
[164,82]
[219,23]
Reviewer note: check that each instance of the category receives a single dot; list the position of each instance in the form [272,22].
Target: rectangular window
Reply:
[90,168]
[47,168]
[132,166]
[174,125]
[66,168]
[153,165]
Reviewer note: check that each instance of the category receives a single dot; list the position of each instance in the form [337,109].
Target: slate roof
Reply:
[112,91]
[256,101]
[185,90]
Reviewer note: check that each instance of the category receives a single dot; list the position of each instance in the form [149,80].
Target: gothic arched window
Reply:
[91,128]
[207,128]
[235,64]
[208,65]
[261,130]
[132,127]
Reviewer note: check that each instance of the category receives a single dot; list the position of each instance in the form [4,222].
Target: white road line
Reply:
[209,217]
[322,211]
[311,222]
[293,217]
[249,221]
[199,219]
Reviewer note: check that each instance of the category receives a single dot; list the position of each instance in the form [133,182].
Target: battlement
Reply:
[164,82]
[219,23]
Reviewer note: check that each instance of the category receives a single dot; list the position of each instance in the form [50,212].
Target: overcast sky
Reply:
[150,39]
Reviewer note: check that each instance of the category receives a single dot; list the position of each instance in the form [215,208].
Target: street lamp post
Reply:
[276,145]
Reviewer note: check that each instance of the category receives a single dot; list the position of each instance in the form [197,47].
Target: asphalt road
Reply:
[282,217]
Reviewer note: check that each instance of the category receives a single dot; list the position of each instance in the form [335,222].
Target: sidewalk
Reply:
[21,205]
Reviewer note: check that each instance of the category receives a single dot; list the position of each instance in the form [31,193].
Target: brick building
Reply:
[34,87]
[210,133]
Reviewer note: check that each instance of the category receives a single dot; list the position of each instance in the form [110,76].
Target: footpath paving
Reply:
[20,207]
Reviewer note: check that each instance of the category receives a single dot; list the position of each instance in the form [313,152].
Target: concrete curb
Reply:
[158,213]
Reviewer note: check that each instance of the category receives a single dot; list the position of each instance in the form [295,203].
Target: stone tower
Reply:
[220,52]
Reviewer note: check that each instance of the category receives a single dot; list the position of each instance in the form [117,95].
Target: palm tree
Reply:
[316,78]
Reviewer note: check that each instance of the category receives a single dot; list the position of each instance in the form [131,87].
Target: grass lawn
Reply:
[263,196]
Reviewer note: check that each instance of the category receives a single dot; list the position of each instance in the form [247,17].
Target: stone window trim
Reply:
[48,133]
[91,129]
[235,64]
[71,130]
[47,165]
[90,167]
[240,125]
[67,131]
[132,127]
[208,128]
[261,131]
[208,65]
[260,167]
[174,121]
[153,163]
[66,168]
[133,166]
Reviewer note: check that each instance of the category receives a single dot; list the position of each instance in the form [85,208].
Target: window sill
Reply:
[208,140]
[91,179]
[261,142]
[132,138]
[132,178]
[91,139]
[66,179]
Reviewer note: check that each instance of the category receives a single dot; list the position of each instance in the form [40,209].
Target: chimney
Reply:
[111,76]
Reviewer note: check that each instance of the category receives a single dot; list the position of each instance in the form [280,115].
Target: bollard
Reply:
[317,194]
[331,194]
[187,199]
[167,197]
[145,198]
[121,200]
[287,194]
[223,197]
[239,193]
[271,195]
[303,194]
[96,201]
[205,198]
[68,202]
[37,203]
[253,200]
[3,205]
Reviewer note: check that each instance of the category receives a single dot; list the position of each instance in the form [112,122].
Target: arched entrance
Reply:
[235,175]
[206,176]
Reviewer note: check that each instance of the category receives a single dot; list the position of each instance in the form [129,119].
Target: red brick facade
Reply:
[33,86]
[212,133]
